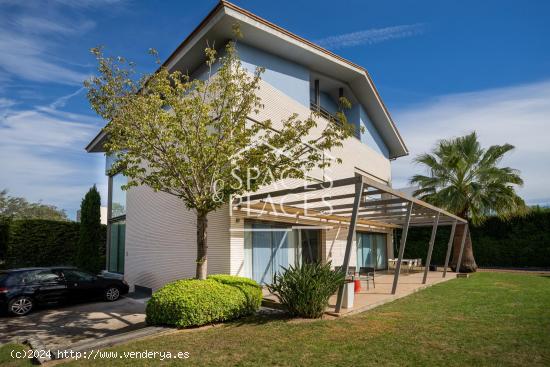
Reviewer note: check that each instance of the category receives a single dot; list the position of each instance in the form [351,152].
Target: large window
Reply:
[118,203]
[270,246]
[371,250]
[116,246]
[117,224]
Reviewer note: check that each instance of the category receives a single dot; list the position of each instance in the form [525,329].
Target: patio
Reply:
[366,299]
[408,283]
[361,200]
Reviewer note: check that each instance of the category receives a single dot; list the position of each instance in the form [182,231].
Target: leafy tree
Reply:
[20,208]
[466,180]
[194,138]
[89,243]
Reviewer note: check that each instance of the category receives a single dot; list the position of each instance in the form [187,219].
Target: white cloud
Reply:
[518,115]
[6,102]
[40,25]
[371,36]
[42,155]
[30,37]
[27,57]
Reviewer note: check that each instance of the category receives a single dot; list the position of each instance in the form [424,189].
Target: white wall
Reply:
[161,233]
[161,239]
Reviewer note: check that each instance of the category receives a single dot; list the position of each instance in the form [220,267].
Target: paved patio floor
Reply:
[373,297]
[381,294]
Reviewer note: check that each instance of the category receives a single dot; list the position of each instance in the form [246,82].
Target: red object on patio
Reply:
[357,287]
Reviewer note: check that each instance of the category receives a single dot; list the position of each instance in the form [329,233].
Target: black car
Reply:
[23,289]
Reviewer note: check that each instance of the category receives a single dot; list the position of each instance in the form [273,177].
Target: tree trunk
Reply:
[202,247]
[468,264]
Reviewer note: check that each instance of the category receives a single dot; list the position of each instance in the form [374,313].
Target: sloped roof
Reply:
[217,28]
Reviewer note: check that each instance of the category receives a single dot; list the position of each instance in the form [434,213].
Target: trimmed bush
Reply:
[192,302]
[304,290]
[251,289]
[39,242]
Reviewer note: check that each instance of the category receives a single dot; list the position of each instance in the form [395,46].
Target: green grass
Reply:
[6,359]
[490,319]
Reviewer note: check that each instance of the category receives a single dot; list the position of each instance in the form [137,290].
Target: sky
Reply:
[443,68]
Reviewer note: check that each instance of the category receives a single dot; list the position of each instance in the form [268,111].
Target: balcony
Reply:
[332,118]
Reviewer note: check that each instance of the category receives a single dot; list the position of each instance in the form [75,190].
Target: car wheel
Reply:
[20,306]
[112,294]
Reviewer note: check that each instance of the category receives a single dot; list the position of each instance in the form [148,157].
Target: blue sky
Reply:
[443,68]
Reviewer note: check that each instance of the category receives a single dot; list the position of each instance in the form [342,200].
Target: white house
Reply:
[152,236]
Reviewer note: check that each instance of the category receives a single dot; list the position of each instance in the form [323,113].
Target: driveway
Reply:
[61,327]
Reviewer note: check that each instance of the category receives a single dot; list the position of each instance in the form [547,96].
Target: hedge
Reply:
[192,302]
[522,242]
[38,242]
[4,229]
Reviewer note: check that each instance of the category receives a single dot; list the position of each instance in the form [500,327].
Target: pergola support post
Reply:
[430,249]
[402,247]
[462,247]
[351,232]
[449,247]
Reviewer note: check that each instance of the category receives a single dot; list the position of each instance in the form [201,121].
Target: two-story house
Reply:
[152,236]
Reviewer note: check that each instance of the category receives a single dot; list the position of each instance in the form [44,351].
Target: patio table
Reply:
[404,262]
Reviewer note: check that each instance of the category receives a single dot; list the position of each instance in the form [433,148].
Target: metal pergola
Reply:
[364,201]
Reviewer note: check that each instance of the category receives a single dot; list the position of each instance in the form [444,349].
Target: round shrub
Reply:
[192,302]
[304,290]
[252,291]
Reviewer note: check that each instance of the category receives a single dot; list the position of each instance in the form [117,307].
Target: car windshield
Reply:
[3,277]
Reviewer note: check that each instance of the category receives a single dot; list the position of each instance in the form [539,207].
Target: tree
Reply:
[193,138]
[89,243]
[465,179]
[20,208]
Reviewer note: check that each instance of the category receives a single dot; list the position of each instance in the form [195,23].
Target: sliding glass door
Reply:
[381,252]
[371,250]
[311,245]
[270,247]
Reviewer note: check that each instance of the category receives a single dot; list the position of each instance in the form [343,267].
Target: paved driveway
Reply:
[61,327]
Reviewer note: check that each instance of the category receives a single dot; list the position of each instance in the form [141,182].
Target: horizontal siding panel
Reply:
[161,239]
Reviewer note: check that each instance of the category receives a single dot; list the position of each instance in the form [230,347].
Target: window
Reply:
[371,250]
[269,246]
[43,276]
[117,224]
[118,196]
[74,275]
[116,246]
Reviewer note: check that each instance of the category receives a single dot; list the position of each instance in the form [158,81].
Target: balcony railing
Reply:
[329,116]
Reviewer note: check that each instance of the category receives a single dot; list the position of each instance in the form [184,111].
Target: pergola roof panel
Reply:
[380,205]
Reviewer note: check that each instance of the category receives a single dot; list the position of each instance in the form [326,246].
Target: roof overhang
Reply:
[96,145]
[380,206]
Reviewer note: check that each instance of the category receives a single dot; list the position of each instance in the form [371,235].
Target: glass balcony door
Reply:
[371,250]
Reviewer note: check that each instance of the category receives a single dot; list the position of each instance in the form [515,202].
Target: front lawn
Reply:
[9,351]
[493,319]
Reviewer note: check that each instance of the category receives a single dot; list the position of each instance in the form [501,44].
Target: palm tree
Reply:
[465,179]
